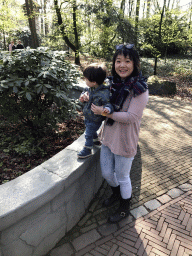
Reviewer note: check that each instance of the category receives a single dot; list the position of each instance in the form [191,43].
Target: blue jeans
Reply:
[116,170]
[90,132]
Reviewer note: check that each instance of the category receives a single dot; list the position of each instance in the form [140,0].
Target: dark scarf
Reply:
[120,90]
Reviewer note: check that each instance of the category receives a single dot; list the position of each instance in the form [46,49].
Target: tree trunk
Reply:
[161,20]
[32,26]
[137,21]
[130,7]
[6,47]
[63,33]
[42,18]
[123,7]
[155,67]
[168,4]
[160,24]
[148,8]
[45,18]
[190,15]
[77,60]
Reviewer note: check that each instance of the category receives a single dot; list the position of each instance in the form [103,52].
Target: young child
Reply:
[98,94]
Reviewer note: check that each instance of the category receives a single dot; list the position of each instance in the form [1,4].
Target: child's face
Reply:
[124,66]
[91,84]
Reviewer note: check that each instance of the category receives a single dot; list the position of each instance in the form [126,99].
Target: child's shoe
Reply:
[85,152]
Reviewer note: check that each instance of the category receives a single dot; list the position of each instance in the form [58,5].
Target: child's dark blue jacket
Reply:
[100,97]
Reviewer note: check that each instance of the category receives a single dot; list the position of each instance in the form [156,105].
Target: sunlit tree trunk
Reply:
[32,25]
[137,20]
[168,4]
[4,40]
[123,7]
[190,14]
[161,19]
[160,25]
[88,21]
[74,47]
[130,8]
[148,8]
[45,18]
[77,61]
[42,18]
[44,25]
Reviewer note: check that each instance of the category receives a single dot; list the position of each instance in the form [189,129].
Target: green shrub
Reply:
[183,68]
[34,88]
[146,67]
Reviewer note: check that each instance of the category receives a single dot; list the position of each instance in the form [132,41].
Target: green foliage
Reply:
[170,67]
[181,67]
[106,27]
[34,89]
[146,67]
[171,39]
[12,18]
[149,50]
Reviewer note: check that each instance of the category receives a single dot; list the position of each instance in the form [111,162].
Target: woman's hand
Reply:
[97,110]
[105,111]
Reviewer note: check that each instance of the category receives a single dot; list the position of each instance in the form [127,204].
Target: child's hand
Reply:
[105,112]
[84,97]
[81,98]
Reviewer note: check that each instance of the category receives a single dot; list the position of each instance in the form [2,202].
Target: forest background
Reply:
[78,31]
[158,28]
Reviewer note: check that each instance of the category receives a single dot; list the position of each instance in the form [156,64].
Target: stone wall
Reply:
[39,207]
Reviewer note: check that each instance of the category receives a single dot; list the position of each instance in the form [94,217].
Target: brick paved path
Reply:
[165,231]
[161,213]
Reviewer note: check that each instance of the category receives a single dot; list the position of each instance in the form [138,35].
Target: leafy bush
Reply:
[146,67]
[148,50]
[34,88]
[183,68]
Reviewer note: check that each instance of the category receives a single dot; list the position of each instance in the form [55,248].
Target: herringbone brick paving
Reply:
[165,231]
[161,174]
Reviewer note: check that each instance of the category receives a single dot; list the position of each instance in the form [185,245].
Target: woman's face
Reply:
[124,66]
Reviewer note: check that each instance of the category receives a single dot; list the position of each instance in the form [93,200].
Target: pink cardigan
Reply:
[122,137]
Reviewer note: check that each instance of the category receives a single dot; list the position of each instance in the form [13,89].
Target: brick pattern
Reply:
[166,231]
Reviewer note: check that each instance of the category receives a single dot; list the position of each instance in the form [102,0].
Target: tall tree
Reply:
[74,6]
[190,14]
[137,19]
[32,25]
[123,7]
[45,12]
[44,24]
[148,8]
[159,36]
[130,7]
[74,46]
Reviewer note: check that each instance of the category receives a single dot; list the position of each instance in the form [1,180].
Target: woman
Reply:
[129,96]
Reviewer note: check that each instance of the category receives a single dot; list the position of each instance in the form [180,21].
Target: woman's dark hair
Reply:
[95,73]
[133,55]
